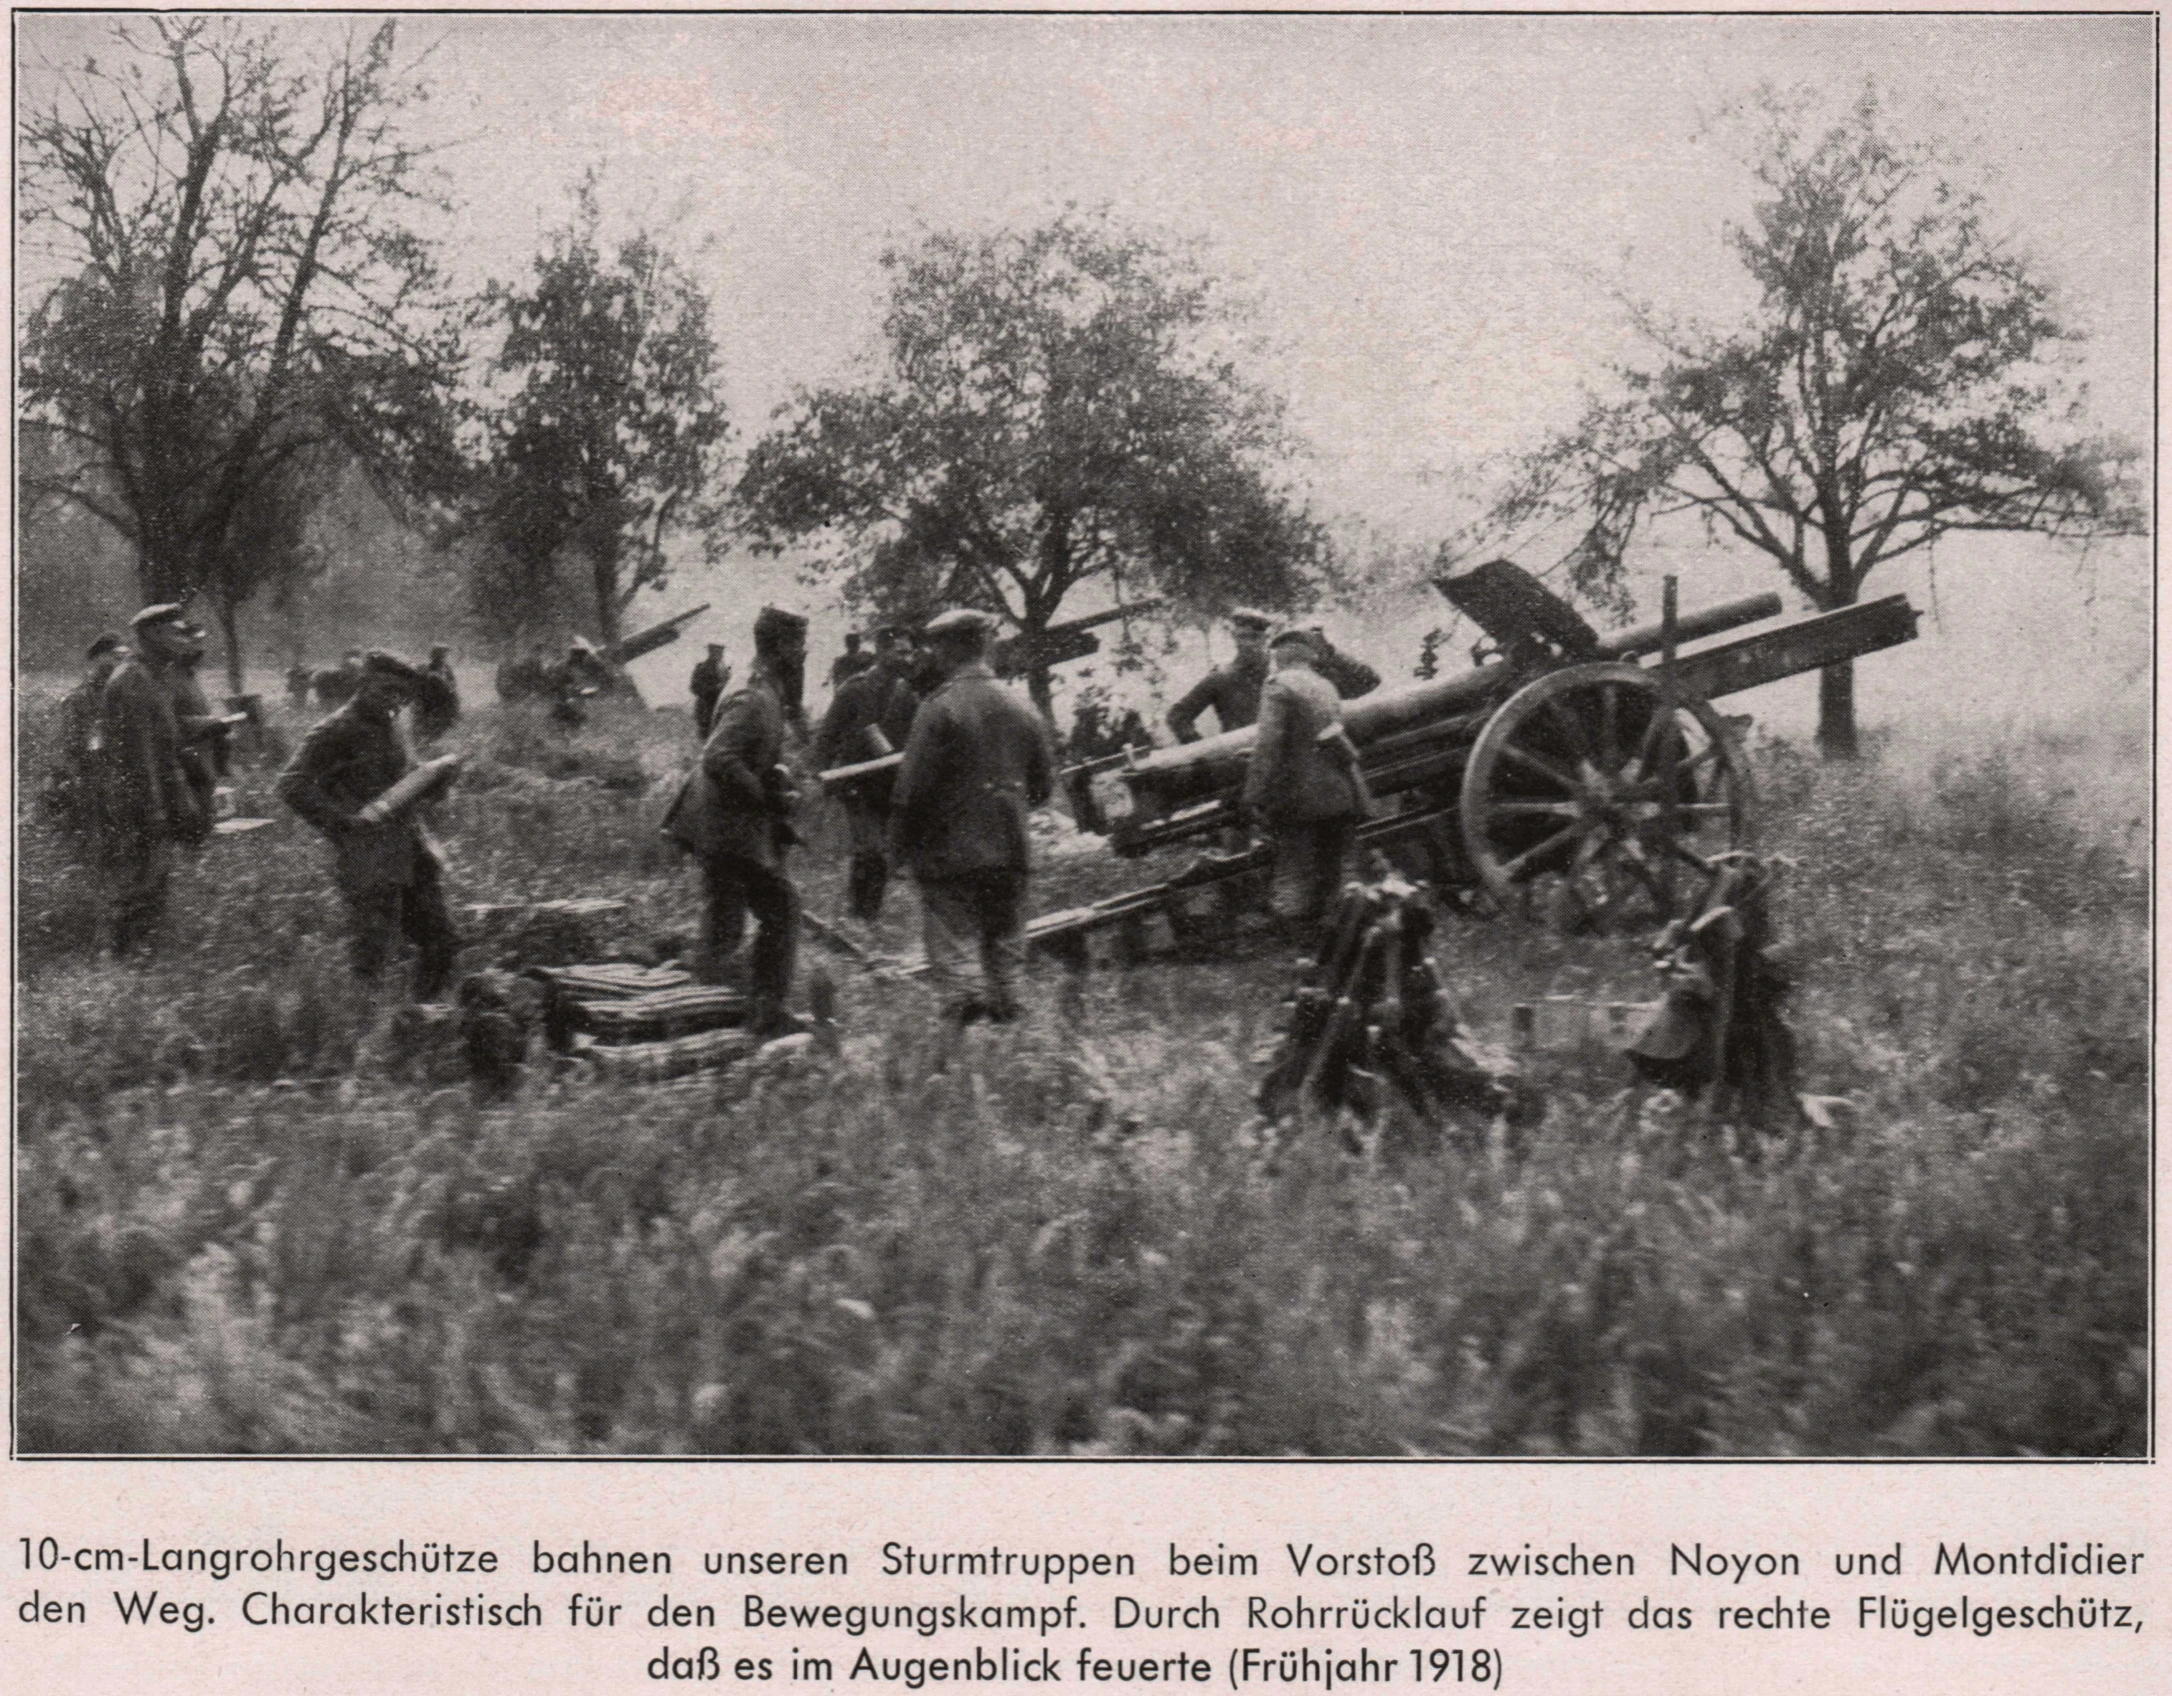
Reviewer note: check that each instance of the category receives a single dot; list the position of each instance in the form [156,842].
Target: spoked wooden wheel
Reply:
[1565,796]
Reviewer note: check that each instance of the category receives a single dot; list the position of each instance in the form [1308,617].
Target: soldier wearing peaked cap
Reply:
[1304,794]
[711,673]
[871,715]
[73,787]
[976,764]
[787,635]
[437,709]
[733,815]
[388,869]
[1232,690]
[151,803]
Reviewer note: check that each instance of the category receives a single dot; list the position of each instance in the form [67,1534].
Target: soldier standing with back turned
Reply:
[870,716]
[976,764]
[1303,794]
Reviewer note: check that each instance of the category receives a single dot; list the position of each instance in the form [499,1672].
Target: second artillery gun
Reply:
[1558,760]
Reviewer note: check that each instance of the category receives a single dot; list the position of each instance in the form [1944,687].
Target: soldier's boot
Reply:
[869,880]
[771,1019]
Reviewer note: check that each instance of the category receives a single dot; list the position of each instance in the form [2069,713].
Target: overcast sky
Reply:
[1427,209]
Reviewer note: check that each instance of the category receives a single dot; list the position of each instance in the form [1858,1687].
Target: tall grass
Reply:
[239,1233]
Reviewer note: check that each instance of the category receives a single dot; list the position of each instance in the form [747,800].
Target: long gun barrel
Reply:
[1069,640]
[1197,769]
[654,637]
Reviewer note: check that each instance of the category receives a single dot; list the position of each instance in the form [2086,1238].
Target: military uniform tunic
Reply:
[389,874]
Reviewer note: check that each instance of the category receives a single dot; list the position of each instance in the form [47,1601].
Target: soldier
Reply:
[389,872]
[707,685]
[976,764]
[870,716]
[733,814]
[150,803]
[299,681]
[337,685]
[439,709]
[850,663]
[1305,796]
[1350,677]
[72,788]
[1231,690]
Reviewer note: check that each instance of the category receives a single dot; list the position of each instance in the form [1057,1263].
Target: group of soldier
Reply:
[977,761]
[144,751]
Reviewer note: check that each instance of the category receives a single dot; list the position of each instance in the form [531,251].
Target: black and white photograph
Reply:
[1079,736]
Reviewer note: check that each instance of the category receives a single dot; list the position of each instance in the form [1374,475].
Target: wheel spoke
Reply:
[1653,877]
[1534,809]
[1573,723]
[1609,728]
[1539,765]
[1514,867]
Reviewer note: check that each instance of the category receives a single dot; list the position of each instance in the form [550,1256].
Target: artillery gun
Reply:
[1073,639]
[629,648]
[1558,759]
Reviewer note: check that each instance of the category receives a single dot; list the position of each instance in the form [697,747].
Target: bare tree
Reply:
[241,285]
[1897,382]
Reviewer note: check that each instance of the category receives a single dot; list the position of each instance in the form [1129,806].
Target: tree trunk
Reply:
[606,575]
[1836,683]
[230,628]
[1836,711]
[1043,698]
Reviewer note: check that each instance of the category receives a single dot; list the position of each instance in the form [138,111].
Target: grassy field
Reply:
[239,1231]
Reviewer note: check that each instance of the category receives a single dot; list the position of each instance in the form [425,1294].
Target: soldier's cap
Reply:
[1250,618]
[102,644]
[773,624]
[378,663]
[959,622]
[1295,633]
[166,612]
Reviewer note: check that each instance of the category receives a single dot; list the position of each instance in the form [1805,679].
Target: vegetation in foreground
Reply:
[238,1232]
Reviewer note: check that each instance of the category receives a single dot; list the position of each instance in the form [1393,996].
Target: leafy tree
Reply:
[613,434]
[1049,410]
[240,286]
[1897,382]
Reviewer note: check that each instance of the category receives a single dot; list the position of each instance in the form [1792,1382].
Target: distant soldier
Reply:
[733,814]
[711,677]
[388,870]
[1304,795]
[336,685]
[1232,690]
[525,678]
[438,710]
[72,788]
[870,716]
[572,681]
[850,663]
[1350,677]
[977,763]
[151,805]
[300,680]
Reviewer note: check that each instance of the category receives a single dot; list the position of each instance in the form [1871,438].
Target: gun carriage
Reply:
[1565,760]
[1561,755]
